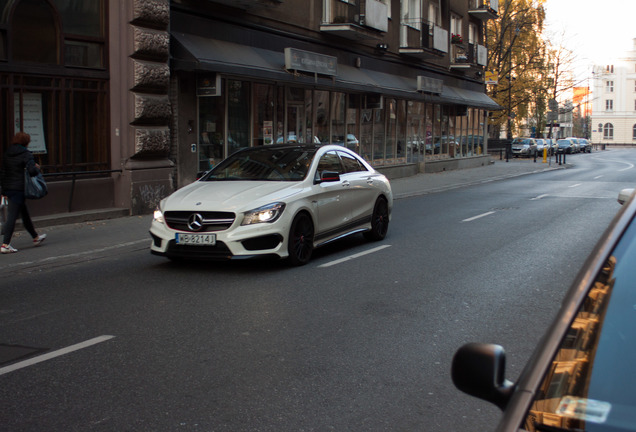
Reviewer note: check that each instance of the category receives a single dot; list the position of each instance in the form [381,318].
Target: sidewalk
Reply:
[423,184]
[90,235]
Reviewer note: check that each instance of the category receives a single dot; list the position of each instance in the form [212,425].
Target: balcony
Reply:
[483,9]
[468,56]
[422,39]
[364,20]
[248,4]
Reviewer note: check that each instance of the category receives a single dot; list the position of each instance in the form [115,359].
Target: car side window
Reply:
[590,384]
[329,162]
[351,163]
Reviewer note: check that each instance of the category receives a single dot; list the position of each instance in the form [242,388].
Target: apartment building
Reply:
[128,100]
[613,116]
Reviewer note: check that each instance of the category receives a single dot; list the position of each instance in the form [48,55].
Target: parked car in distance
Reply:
[540,146]
[553,145]
[585,145]
[577,145]
[524,147]
[581,375]
[278,201]
[565,146]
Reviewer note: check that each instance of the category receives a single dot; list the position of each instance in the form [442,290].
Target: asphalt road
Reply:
[359,339]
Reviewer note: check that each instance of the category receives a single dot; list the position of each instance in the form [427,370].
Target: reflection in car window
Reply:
[591,384]
[329,162]
[266,163]
[351,164]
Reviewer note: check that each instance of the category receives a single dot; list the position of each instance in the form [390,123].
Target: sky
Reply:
[597,31]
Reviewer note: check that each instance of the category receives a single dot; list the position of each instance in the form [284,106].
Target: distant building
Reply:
[614,101]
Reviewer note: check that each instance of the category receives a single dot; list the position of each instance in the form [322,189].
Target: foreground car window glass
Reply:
[591,383]
[272,164]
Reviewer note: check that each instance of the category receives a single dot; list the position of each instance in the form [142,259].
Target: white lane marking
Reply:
[629,165]
[478,216]
[53,354]
[597,177]
[575,185]
[354,256]
[539,197]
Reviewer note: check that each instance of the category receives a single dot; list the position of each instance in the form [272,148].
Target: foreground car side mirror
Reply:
[479,370]
[624,195]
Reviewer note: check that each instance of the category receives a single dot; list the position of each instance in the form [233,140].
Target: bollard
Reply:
[564,158]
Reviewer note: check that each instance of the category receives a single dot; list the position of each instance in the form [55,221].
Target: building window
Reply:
[609,105]
[66,118]
[634,132]
[609,86]
[608,131]
[34,35]
[609,68]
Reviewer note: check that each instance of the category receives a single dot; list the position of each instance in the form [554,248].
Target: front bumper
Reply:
[258,241]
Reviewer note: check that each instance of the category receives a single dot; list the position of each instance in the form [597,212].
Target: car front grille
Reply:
[209,221]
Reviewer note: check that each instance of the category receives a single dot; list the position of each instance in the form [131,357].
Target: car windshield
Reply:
[521,141]
[590,385]
[265,164]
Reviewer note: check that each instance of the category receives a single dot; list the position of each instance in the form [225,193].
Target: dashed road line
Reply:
[54,354]
[354,256]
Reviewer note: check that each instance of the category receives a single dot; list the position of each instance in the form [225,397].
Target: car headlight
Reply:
[266,214]
[158,215]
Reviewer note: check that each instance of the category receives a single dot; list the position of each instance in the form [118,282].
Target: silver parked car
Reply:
[524,147]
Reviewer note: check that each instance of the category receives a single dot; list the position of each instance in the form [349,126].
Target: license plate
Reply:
[196,239]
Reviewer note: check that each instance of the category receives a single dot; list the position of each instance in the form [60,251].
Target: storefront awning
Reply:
[196,53]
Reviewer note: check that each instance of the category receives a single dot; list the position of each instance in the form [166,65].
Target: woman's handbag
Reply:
[34,186]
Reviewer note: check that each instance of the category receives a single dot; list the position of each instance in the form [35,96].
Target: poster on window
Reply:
[32,121]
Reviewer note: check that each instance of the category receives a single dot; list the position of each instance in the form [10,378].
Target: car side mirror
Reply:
[479,370]
[624,195]
[329,176]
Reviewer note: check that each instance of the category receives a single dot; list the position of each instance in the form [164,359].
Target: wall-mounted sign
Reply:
[429,85]
[491,78]
[306,61]
[209,85]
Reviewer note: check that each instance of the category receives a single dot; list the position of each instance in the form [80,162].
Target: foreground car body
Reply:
[581,376]
[274,201]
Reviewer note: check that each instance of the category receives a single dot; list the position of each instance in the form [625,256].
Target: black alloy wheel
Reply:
[301,240]
[379,221]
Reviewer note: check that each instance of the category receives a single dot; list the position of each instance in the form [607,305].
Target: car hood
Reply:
[233,196]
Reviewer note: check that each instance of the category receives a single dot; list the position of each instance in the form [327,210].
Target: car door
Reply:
[330,198]
[361,194]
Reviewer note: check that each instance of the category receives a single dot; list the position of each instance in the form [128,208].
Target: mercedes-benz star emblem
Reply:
[195,222]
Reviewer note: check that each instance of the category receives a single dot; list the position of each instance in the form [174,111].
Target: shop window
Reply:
[263,104]
[211,124]
[3,45]
[321,129]
[401,132]
[379,129]
[634,132]
[366,134]
[238,121]
[353,125]
[391,131]
[34,34]
[338,104]
[80,18]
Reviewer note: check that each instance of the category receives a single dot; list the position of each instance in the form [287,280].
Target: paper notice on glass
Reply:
[32,122]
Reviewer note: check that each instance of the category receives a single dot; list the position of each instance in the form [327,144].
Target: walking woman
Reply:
[17,158]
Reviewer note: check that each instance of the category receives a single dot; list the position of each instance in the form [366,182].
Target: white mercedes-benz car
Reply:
[274,201]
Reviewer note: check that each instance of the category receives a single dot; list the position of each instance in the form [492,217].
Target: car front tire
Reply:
[301,240]
[379,221]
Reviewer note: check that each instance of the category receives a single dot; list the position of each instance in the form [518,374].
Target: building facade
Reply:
[128,100]
[613,116]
